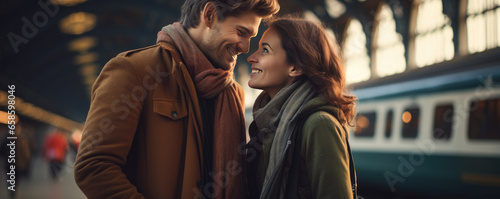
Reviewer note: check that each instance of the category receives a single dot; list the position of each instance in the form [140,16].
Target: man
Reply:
[165,121]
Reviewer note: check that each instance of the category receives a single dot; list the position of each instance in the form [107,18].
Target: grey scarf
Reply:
[278,115]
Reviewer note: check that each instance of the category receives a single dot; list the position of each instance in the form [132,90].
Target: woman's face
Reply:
[270,69]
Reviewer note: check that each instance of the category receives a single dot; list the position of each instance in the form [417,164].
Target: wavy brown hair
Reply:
[308,47]
[191,9]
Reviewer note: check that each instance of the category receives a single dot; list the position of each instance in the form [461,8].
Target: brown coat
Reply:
[142,137]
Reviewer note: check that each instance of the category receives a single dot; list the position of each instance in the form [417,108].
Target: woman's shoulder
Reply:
[319,118]
[322,120]
[321,131]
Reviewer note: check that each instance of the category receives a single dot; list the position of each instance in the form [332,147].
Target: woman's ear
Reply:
[209,14]
[294,72]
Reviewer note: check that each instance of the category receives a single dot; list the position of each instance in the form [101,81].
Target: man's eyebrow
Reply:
[253,34]
[266,44]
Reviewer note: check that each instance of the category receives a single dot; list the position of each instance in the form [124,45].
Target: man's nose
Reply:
[244,46]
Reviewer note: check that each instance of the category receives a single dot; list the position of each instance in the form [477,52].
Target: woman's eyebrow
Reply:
[266,44]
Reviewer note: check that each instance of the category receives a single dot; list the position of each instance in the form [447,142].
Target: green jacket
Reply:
[323,166]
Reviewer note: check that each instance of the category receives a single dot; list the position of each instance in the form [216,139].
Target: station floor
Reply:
[40,185]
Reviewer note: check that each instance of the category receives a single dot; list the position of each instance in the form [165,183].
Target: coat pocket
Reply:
[172,109]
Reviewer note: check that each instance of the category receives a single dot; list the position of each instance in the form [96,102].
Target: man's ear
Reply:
[295,72]
[209,14]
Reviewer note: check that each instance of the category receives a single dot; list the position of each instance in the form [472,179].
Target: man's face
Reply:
[225,40]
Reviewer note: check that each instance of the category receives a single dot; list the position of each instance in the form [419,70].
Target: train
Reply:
[429,133]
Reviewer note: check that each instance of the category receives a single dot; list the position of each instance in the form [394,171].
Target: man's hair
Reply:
[190,12]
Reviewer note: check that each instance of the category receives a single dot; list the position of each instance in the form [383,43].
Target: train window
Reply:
[483,120]
[388,124]
[365,124]
[410,119]
[443,121]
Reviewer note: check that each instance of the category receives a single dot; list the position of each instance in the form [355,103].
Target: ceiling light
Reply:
[85,58]
[82,44]
[67,2]
[78,23]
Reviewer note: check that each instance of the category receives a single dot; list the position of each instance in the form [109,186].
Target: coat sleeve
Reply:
[108,133]
[326,158]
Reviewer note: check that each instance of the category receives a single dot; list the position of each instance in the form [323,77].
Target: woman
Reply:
[298,146]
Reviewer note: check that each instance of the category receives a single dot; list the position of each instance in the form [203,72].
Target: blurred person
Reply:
[298,146]
[165,121]
[54,151]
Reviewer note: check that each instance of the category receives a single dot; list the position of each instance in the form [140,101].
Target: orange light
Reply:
[82,44]
[76,136]
[37,113]
[67,2]
[4,118]
[406,117]
[361,123]
[4,101]
[78,23]
[85,58]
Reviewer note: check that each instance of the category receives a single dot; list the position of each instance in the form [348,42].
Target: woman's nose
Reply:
[252,59]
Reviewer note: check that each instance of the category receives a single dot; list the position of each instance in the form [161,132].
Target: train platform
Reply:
[40,184]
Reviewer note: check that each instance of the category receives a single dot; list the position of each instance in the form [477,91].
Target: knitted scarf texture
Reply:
[229,125]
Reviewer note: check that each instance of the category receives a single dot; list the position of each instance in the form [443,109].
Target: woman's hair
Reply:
[308,47]
[190,11]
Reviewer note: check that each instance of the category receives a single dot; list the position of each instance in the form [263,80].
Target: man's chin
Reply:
[227,65]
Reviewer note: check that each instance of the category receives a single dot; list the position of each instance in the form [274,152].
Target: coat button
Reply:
[174,114]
